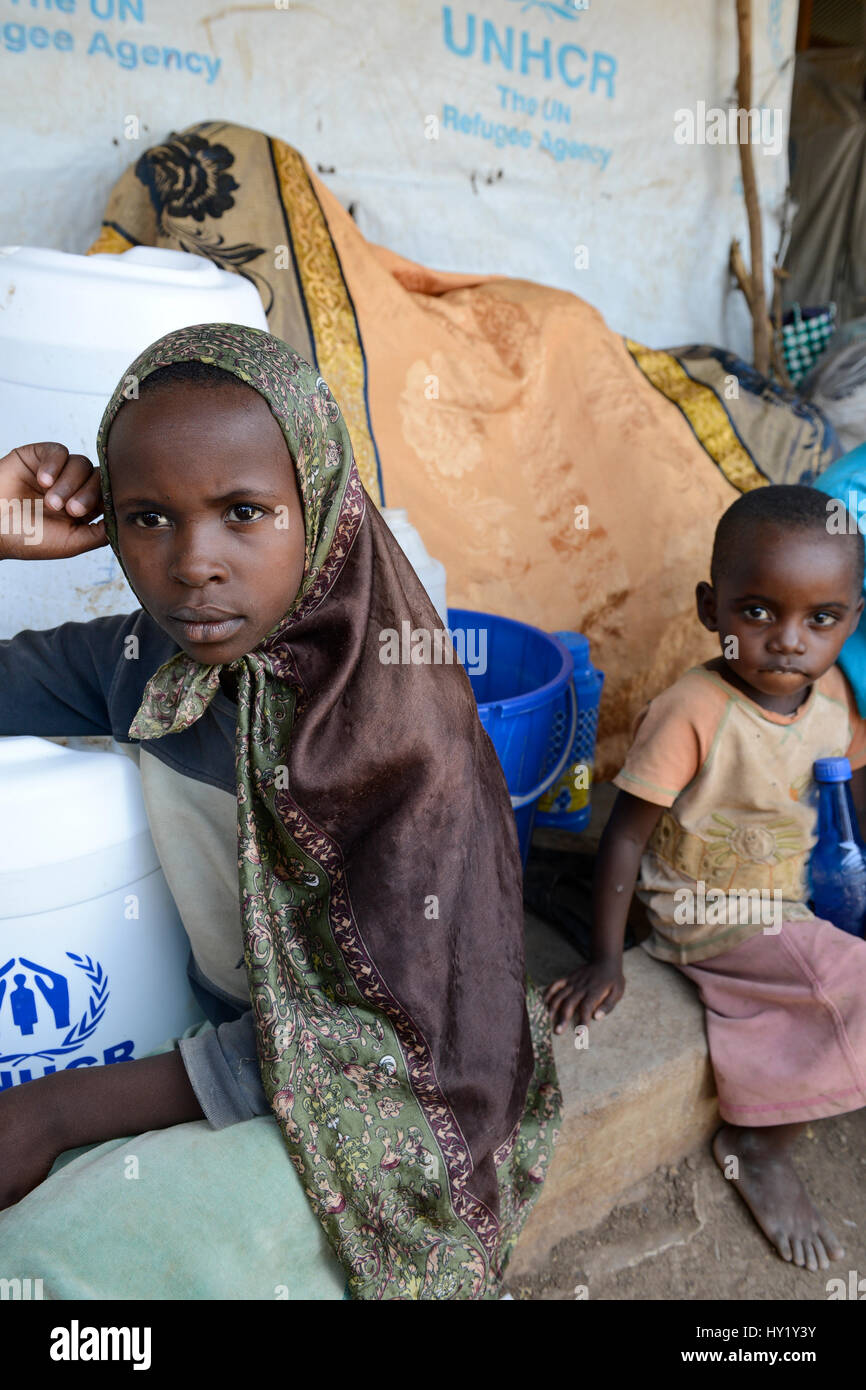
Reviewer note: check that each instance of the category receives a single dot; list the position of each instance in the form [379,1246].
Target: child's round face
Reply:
[209,519]
[784,607]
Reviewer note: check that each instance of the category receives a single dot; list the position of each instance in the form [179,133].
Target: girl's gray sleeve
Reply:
[55,682]
[223,1069]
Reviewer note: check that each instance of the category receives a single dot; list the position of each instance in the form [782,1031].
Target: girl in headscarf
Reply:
[378,875]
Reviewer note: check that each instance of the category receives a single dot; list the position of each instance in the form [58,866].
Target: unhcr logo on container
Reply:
[24,1009]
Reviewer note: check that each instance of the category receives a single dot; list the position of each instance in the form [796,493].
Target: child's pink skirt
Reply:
[786,1024]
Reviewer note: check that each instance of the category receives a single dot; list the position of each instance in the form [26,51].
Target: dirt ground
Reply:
[685,1234]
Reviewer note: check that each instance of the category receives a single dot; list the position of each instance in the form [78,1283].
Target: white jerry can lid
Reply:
[73,826]
[69,318]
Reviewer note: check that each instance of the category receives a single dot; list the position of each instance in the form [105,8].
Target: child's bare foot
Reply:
[774,1194]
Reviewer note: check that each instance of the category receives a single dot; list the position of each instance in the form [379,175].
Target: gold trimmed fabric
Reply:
[704,412]
[337,338]
[111,241]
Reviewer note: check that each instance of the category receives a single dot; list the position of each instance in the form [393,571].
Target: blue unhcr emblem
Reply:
[23,1005]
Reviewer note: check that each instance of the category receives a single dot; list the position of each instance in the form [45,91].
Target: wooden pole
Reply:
[758,297]
[776,354]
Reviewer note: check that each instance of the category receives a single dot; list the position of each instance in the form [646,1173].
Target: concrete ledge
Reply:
[641,1094]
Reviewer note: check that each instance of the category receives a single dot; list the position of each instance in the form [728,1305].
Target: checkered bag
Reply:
[805,334]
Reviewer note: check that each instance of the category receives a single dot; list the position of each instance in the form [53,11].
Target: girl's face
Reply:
[209,519]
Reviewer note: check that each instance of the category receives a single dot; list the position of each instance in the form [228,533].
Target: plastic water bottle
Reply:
[837,868]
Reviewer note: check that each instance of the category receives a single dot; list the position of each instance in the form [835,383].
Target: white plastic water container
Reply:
[69,328]
[93,953]
[431,572]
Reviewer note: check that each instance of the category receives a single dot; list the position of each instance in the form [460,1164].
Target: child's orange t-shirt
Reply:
[741,807]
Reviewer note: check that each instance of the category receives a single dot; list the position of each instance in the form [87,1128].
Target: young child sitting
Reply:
[717,792]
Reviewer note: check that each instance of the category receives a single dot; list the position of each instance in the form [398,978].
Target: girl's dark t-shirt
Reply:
[87,679]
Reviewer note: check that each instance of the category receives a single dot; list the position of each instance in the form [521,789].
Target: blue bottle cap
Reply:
[832,770]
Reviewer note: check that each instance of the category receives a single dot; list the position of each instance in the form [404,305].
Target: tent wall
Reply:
[521,137]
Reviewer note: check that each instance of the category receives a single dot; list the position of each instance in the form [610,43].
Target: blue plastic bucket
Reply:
[566,804]
[519,676]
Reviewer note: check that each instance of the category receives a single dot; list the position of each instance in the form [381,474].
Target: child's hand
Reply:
[28,1142]
[591,992]
[54,530]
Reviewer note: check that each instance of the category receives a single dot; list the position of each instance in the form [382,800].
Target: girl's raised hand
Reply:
[49,502]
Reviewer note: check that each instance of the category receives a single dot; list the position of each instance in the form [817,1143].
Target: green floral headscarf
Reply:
[416,1103]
